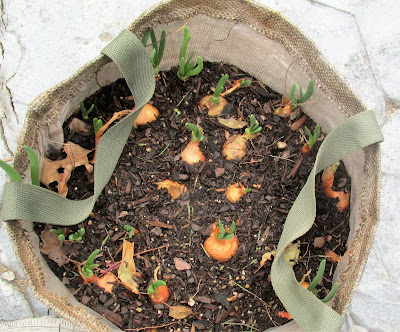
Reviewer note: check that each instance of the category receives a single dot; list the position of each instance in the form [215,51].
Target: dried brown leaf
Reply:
[179,312]
[107,282]
[174,188]
[76,156]
[80,127]
[233,123]
[51,246]
[127,271]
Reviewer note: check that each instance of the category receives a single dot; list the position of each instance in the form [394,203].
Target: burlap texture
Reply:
[221,31]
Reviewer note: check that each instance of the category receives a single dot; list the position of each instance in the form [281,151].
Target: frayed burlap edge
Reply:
[269,23]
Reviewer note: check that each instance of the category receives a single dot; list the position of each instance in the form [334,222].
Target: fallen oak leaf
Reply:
[76,156]
[174,188]
[179,312]
[127,271]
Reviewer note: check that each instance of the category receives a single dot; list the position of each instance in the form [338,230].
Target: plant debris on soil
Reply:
[232,296]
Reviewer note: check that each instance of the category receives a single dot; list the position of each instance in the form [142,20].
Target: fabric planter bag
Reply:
[275,51]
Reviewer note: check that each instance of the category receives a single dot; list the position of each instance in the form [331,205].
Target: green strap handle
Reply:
[23,201]
[26,202]
[310,313]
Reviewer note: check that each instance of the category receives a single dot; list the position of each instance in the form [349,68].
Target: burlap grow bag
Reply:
[260,42]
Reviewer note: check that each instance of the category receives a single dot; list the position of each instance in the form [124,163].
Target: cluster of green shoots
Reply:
[223,235]
[130,229]
[60,232]
[317,279]
[197,133]
[88,266]
[34,163]
[302,98]
[97,123]
[313,137]
[254,128]
[188,67]
[158,50]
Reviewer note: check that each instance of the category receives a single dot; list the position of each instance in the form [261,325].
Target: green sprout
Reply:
[218,89]
[244,83]
[129,229]
[247,190]
[223,235]
[317,279]
[60,232]
[302,98]
[197,133]
[153,287]
[34,162]
[88,266]
[188,68]
[77,236]
[97,124]
[312,138]
[158,51]
[177,111]
[254,126]
[85,112]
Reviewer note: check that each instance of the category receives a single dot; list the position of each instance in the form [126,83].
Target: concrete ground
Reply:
[43,42]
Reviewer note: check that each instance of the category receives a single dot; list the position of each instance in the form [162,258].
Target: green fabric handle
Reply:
[26,202]
[310,313]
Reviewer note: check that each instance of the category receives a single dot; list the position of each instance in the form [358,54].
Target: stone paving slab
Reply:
[43,44]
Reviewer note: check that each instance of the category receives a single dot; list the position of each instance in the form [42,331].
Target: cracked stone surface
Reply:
[42,45]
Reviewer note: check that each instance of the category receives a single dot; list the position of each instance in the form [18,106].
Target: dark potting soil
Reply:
[231,296]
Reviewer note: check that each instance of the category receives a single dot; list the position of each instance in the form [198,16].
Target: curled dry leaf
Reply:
[213,109]
[181,265]
[51,246]
[148,114]
[127,271]
[76,156]
[327,183]
[179,312]
[174,188]
[233,123]
[266,257]
[116,116]
[235,191]
[107,282]
[285,108]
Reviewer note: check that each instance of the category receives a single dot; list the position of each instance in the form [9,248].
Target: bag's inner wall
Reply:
[237,44]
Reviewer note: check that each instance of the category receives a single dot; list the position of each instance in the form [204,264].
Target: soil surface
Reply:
[232,296]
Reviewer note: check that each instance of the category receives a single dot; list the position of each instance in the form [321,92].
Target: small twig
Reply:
[151,327]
